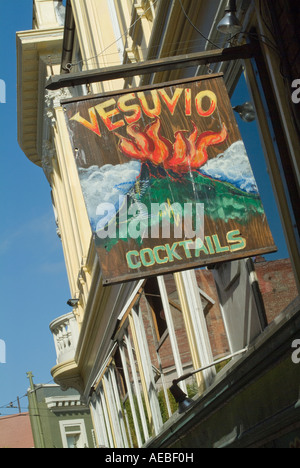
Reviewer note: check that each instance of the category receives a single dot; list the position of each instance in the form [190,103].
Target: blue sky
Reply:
[33,282]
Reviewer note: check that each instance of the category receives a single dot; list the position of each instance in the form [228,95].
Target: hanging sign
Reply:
[166,179]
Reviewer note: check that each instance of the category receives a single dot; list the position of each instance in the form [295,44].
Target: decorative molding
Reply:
[48,14]
[58,231]
[65,403]
[51,102]
[48,152]
[132,51]
[53,98]
[67,375]
[143,9]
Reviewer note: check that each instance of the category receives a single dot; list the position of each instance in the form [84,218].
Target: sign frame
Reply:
[183,115]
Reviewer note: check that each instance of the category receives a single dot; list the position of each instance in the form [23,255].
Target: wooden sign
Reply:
[166,179]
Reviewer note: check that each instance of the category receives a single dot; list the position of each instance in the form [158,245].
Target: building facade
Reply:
[122,345]
[58,419]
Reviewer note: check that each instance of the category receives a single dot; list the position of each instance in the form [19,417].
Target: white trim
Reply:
[67,403]
[136,384]
[130,299]
[130,396]
[199,323]
[117,30]
[171,329]
[147,369]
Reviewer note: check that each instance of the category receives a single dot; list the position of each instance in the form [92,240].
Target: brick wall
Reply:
[277,285]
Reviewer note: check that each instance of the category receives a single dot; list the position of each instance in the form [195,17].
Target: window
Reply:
[73,434]
[170,326]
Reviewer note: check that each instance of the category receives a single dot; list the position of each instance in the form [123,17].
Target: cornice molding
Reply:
[34,50]
[65,403]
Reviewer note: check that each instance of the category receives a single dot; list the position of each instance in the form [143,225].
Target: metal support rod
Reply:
[189,374]
[151,66]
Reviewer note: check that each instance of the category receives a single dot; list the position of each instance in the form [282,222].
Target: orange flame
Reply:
[147,145]
[187,153]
